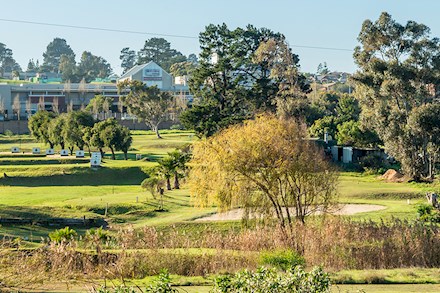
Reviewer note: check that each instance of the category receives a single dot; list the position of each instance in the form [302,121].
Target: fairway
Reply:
[39,188]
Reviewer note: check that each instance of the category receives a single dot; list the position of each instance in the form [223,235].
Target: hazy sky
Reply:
[316,23]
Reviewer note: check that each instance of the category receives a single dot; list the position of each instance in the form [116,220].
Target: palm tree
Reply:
[166,170]
[179,160]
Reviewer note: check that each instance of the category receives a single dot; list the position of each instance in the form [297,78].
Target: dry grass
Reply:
[336,244]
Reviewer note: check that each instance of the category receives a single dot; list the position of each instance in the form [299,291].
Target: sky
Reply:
[305,23]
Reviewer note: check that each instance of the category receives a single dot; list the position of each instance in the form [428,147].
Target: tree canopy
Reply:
[52,56]
[91,67]
[148,104]
[238,76]
[7,61]
[399,72]
[159,50]
[266,165]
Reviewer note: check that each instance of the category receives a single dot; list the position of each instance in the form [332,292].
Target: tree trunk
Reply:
[113,153]
[51,145]
[62,145]
[157,132]
[176,181]
[168,183]
[71,150]
[126,155]
[102,153]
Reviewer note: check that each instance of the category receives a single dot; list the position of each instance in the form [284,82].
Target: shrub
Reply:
[62,235]
[8,132]
[162,284]
[282,259]
[270,281]
[177,127]
[427,213]
[372,162]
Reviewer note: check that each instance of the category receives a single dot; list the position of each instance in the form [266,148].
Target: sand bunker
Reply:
[347,209]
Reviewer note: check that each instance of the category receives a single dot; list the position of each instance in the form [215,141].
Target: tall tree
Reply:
[159,50]
[148,104]
[7,61]
[91,67]
[399,72]
[52,56]
[234,79]
[67,68]
[31,67]
[128,59]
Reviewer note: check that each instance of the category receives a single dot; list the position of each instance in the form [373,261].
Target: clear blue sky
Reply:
[321,23]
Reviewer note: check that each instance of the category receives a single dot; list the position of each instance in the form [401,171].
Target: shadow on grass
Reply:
[88,177]
[21,212]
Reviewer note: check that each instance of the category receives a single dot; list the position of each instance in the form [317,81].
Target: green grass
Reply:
[37,187]
[346,288]
[368,189]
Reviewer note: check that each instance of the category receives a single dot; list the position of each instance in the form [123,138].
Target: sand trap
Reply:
[347,209]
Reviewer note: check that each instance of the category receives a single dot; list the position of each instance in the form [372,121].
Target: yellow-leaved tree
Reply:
[269,166]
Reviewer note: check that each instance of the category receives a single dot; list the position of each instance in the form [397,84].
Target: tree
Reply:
[352,133]
[55,130]
[424,125]
[236,77]
[125,140]
[165,170]
[16,106]
[91,67]
[31,67]
[179,168]
[39,126]
[67,68]
[159,50]
[95,136]
[322,69]
[73,131]
[182,68]
[148,104]
[109,133]
[99,104]
[7,61]
[128,59]
[267,165]
[52,57]
[399,72]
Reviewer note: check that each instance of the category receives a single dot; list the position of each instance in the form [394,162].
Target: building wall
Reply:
[21,126]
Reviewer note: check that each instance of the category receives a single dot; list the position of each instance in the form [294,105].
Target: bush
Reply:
[266,280]
[427,213]
[162,284]
[8,133]
[177,127]
[62,235]
[282,259]
[372,161]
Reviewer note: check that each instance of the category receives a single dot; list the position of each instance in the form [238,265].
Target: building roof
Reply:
[131,71]
[137,68]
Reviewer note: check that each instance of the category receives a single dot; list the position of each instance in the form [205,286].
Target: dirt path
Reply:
[347,209]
